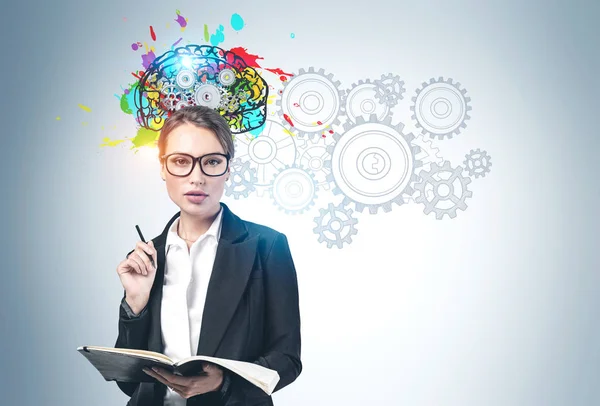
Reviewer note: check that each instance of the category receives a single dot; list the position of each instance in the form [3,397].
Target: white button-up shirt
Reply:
[184,294]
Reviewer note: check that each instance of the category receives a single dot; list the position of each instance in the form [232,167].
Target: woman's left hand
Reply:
[188,386]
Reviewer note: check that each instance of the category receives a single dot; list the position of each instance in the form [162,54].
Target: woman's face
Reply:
[195,141]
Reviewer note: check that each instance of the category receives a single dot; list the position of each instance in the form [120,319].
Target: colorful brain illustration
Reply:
[201,75]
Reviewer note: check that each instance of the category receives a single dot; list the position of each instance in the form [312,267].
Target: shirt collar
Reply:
[213,231]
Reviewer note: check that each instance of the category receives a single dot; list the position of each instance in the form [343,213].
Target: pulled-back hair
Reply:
[200,116]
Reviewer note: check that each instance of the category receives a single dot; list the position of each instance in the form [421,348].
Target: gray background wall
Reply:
[494,307]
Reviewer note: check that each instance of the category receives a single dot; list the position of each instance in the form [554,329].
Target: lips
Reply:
[196,193]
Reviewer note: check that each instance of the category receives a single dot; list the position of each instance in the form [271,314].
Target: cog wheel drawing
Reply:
[427,155]
[478,163]
[438,190]
[335,226]
[226,77]
[362,100]
[268,153]
[294,190]
[242,181]
[441,108]
[372,164]
[312,155]
[310,102]
[185,79]
[389,89]
[208,95]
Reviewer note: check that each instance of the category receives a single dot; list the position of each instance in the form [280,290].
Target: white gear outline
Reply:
[247,179]
[427,178]
[286,176]
[286,106]
[312,155]
[427,155]
[389,89]
[370,104]
[420,113]
[280,144]
[393,132]
[478,163]
[340,219]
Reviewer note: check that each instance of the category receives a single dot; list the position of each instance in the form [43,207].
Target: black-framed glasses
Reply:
[180,164]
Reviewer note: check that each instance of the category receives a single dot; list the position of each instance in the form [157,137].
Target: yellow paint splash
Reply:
[84,108]
[107,142]
[57,118]
[288,132]
[271,99]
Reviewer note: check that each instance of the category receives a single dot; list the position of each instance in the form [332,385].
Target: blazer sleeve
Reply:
[133,333]
[282,325]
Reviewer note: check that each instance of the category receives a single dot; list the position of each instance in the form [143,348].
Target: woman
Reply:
[222,286]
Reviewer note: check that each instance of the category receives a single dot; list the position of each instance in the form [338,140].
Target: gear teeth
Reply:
[337,214]
[427,178]
[431,131]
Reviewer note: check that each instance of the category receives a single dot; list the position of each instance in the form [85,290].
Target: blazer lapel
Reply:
[233,264]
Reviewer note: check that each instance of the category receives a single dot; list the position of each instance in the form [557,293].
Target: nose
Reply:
[197,176]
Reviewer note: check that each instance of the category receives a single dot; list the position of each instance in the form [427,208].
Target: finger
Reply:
[164,381]
[145,258]
[137,263]
[146,247]
[175,379]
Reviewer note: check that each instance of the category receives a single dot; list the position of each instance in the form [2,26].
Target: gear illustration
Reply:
[389,89]
[294,190]
[268,153]
[312,154]
[372,164]
[478,163]
[427,155]
[362,100]
[438,187]
[310,102]
[441,108]
[243,178]
[335,226]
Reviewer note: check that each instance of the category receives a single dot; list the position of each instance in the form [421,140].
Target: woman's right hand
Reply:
[137,275]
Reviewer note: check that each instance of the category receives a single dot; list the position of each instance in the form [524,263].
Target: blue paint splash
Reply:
[217,37]
[237,22]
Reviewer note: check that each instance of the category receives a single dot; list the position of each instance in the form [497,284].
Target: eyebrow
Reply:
[187,153]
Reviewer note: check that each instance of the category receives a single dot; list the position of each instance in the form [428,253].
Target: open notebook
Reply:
[125,365]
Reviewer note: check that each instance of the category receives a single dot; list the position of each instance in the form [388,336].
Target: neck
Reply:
[191,227]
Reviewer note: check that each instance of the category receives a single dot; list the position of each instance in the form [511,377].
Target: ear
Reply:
[163,172]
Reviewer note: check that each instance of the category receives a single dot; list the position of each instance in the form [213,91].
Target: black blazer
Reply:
[251,314]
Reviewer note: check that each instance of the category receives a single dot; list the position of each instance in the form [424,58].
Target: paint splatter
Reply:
[178,41]
[152,33]
[288,119]
[145,137]
[147,59]
[84,108]
[181,20]
[292,35]
[250,59]
[218,36]
[107,142]
[206,33]
[237,22]
[278,71]
[124,18]
[57,118]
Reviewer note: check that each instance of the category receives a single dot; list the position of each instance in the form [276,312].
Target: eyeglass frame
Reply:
[194,160]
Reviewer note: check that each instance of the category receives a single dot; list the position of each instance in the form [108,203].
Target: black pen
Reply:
[144,241]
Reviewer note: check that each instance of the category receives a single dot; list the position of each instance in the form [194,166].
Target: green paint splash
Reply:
[206,33]
[145,138]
